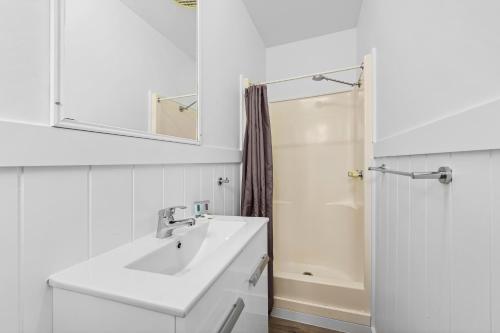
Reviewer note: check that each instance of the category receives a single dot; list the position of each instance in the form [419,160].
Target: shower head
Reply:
[318,77]
[321,77]
[183,108]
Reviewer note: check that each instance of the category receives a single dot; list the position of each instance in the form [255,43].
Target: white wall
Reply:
[308,56]
[434,58]
[24,69]
[69,195]
[230,46]
[436,258]
[112,62]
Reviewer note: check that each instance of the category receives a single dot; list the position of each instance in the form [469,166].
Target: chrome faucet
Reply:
[167,223]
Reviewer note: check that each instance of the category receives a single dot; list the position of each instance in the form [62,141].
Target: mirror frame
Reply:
[57,19]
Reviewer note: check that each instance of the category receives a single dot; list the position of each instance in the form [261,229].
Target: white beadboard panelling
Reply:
[447,267]
[376,197]
[402,285]
[174,188]
[470,311]
[9,250]
[148,198]
[218,205]
[495,241]
[55,236]
[237,189]
[417,253]
[438,249]
[54,217]
[381,248]
[207,184]
[229,190]
[392,238]
[192,187]
[111,207]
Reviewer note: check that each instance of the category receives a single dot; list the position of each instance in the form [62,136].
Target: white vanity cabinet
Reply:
[216,306]
[230,304]
[79,313]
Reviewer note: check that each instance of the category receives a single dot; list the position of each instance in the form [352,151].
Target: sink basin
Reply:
[164,275]
[196,243]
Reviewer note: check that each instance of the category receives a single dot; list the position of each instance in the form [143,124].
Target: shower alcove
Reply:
[322,216]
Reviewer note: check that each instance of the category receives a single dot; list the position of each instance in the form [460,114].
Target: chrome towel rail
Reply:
[444,174]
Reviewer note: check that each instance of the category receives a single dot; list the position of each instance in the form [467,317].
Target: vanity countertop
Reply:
[107,275]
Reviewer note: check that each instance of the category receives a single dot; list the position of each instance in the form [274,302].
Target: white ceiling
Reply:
[278,21]
[176,23]
[285,21]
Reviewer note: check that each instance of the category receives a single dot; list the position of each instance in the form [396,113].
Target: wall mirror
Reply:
[126,67]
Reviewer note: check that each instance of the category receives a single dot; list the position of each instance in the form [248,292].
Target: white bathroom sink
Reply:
[188,249]
[164,275]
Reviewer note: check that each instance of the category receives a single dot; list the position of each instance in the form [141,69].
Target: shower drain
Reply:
[307,273]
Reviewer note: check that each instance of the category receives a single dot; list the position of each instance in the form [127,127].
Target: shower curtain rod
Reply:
[311,75]
[175,97]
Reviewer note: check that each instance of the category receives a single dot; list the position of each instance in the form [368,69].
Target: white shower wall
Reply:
[437,249]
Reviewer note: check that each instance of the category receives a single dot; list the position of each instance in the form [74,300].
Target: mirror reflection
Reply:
[175,116]
[130,65]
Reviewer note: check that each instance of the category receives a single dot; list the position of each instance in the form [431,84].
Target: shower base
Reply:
[320,291]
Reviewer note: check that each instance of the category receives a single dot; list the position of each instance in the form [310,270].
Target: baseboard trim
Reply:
[318,321]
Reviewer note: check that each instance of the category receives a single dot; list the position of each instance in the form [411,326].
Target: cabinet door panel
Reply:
[254,318]
[79,313]
[210,312]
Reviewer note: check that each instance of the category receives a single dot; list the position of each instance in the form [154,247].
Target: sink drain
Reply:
[307,273]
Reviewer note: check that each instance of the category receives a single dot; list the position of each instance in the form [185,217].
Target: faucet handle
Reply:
[169,211]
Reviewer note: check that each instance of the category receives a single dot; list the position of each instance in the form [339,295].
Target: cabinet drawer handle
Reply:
[232,318]
[258,271]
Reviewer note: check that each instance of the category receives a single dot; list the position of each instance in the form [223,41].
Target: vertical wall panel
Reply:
[391,240]
[192,187]
[207,184]
[229,189]
[174,188]
[495,241]
[111,207]
[9,250]
[376,228]
[471,244]
[218,191]
[403,239]
[438,249]
[55,235]
[381,250]
[417,252]
[148,198]
[237,189]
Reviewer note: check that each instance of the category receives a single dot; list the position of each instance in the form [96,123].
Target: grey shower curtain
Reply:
[257,175]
